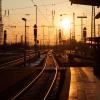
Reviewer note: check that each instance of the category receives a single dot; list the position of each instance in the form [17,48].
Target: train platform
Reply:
[84,85]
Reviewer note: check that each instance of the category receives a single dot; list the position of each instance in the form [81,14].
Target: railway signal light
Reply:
[35,32]
[5,36]
[84,34]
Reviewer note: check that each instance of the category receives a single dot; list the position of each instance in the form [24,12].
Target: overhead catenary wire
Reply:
[41,5]
[19,8]
[41,13]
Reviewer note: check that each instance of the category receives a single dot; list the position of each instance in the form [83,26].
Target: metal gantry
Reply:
[82,17]
[93,22]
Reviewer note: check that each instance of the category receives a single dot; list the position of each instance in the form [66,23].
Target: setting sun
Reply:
[65,24]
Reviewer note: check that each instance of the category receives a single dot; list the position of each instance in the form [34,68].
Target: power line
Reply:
[41,13]
[34,3]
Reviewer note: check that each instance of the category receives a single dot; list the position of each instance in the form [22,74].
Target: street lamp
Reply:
[35,26]
[61,27]
[61,16]
[36,13]
[24,19]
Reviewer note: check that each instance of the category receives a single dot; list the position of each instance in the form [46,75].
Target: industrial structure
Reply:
[93,3]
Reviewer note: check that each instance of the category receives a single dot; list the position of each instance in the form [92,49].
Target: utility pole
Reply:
[48,36]
[35,30]
[61,29]
[44,26]
[43,35]
[53,15]
[56,37]
[73,33]
[21,39]
[16,40]
[82,17]
[5,38]
[24,19]
[93,22]
[98,30]
[36,13]
[60,36]
[43,32]
[53,19]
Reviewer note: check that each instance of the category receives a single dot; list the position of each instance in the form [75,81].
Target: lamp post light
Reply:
[35,30]
[36,13]
[61,15]
[35,26]
[24,19]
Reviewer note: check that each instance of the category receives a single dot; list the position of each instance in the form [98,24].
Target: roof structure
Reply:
[97,16]
[86,2]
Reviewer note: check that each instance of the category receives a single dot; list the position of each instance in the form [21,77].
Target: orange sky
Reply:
[19,9]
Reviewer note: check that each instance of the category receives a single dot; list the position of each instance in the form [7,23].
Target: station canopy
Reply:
[97,16]
[86,2]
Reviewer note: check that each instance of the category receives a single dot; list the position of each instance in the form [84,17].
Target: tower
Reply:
[93,22]
[60,36]
[73,33]
[82,17]
[1,25]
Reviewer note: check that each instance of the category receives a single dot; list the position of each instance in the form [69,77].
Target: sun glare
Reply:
[65,24]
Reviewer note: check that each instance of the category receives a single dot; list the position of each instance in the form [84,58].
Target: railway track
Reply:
[17,78]
[43,82]
[41,86]
[18,61]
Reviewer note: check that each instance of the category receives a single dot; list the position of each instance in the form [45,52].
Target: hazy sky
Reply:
[18,9]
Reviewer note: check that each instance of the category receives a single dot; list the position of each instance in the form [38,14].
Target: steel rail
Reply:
[52,84]
[18,60]
[3,66]
[32,82]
